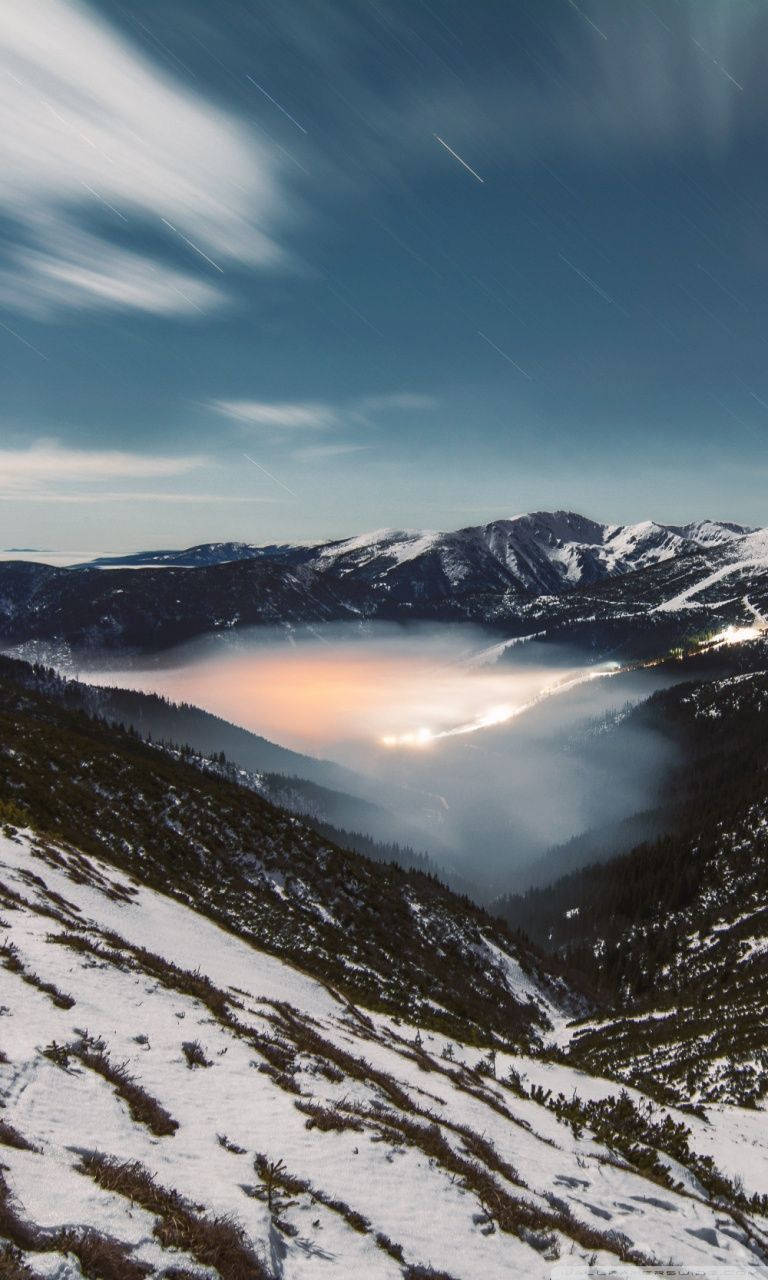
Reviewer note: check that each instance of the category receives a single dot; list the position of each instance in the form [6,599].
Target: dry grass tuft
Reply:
[13,1265]
[11,1137]
[195,1054]
[143,1107]
[12,961]
[100,1257]
[328,1119]
[218,1242]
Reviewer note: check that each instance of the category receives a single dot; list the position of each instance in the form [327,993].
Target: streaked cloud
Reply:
[47,461]
[397,400]
[92,128]
[327,451]
[286,421]
[282,413]
[83,271]
[618,80]
[127,495]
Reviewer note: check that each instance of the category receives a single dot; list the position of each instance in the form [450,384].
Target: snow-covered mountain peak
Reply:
[540,551]
[713,533]
[396,544]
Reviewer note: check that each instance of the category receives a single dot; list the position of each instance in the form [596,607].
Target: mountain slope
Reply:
[230,1049]
[675,933]
[155,607]
[180,1103]
[155,717]
[542,551]
[205,553]
[396,939]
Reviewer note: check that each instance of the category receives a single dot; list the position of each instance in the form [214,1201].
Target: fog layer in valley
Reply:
[513,774]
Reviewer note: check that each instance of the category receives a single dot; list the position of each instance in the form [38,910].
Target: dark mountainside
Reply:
[394,939]
[674,933]
[154,716]
[224,749]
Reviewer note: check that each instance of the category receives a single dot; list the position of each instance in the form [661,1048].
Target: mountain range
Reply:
[550,573]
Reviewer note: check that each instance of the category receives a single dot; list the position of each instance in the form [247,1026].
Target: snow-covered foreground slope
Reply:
[313,1139]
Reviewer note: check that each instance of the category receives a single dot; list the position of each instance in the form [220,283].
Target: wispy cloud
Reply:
[51,461]
[327,451]
[83,271]
[49,472]
[298,414]
[283,422]
[396,400]
[282,413]
[125,495]
[92,126]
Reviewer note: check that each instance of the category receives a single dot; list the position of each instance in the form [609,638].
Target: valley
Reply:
[481,907]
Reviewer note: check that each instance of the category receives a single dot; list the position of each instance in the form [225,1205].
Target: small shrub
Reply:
[13,815]
[327,1119]
[195,1055]
[279,1185]
[58,1054]
[10,1137]
[225,1142]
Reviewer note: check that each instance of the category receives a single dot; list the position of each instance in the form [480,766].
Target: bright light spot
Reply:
[496,715]
[733,635]
[502,713]
[418,738]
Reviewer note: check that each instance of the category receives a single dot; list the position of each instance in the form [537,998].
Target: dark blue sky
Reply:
[237,229]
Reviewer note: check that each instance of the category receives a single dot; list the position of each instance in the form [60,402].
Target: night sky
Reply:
[280,271]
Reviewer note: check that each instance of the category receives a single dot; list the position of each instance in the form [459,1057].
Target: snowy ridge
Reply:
[399,546]
[529,573]
[542,551]
[745,555]
[339,1143]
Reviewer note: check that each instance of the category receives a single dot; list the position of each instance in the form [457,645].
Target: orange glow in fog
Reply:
[311,695]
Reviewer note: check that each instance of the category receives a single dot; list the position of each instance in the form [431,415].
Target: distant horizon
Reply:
[68,556]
